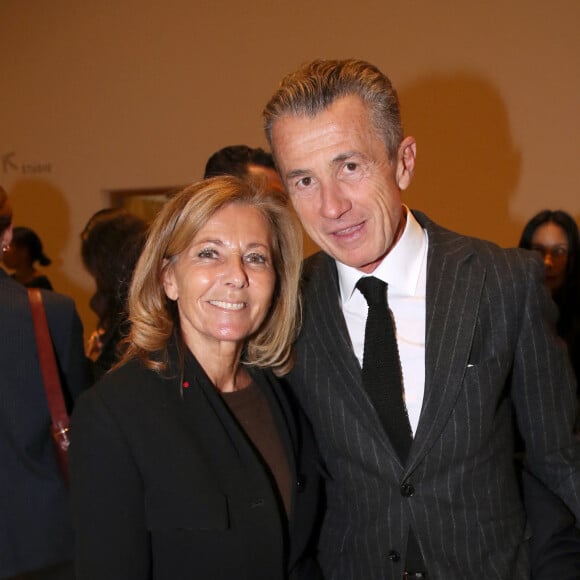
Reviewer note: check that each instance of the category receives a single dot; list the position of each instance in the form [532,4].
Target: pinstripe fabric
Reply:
[488,343]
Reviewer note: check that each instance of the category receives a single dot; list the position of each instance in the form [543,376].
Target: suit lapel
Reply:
[454,285]
[330,344]
[203,404]
[324,313]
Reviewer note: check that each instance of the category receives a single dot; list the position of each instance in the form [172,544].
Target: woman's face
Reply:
[552,243]
[224,281]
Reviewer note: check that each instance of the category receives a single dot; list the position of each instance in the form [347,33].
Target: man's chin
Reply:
[355,261]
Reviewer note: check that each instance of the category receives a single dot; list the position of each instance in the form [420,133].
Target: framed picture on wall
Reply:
[143,202]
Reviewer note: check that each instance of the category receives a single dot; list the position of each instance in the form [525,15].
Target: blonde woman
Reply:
[187,459]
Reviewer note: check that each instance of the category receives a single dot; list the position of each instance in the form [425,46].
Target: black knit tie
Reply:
[381,370]
[383,381]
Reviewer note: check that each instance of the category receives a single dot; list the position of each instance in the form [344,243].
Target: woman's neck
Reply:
[25,274]
[221,363]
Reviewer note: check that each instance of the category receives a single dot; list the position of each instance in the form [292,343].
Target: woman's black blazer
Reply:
[166,486]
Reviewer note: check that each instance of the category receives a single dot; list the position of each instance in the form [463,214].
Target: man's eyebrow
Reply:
[342,157]
[296,173]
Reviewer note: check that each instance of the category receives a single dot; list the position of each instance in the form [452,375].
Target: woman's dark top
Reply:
[253,412]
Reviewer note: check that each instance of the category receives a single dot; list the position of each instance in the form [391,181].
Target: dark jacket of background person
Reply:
[202,478]
[555,541]
[35,526]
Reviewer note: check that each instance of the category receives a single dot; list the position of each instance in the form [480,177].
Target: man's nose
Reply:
[334,203]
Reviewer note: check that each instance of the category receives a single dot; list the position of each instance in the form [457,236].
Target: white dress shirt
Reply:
[404,269]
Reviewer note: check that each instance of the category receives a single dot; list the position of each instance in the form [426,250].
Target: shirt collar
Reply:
[400,268]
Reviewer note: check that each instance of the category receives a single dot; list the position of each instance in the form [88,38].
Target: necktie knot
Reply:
[373,289]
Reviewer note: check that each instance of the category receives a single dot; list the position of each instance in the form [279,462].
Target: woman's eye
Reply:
[256,258]
[560,251]
[207,253]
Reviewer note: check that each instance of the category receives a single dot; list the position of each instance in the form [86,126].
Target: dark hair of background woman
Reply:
[567,296]
[22,236]
[111,245]
[25,250]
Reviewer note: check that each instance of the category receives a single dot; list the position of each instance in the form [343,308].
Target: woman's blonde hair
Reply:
[154,318]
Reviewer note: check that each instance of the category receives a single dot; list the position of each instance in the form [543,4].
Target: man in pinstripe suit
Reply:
[474,331]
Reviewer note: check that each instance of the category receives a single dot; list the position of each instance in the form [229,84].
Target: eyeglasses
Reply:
[556,253]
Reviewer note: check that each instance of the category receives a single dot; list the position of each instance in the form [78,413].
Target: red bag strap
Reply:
[47,360]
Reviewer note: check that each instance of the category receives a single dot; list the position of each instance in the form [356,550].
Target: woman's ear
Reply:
[168,280]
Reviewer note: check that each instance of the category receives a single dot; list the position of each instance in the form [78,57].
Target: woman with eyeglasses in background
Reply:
[554,234]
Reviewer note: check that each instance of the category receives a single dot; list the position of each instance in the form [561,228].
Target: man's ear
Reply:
[168,280]
[406,156]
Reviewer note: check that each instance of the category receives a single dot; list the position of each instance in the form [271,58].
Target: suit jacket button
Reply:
[257,503]
[394,556]
[407,489]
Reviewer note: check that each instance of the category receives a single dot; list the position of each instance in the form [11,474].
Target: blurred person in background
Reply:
[554,235]
[243,161]
[111,243]
[36,537]
[24,251]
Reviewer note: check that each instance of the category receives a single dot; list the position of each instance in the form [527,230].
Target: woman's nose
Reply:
[235,273]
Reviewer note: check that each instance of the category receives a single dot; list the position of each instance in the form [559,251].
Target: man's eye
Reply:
[351,166]
[256,258]
[305,182]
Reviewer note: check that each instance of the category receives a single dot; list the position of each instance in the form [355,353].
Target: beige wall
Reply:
[101,95]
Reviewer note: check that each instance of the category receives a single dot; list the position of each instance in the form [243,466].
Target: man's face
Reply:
[342,184]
